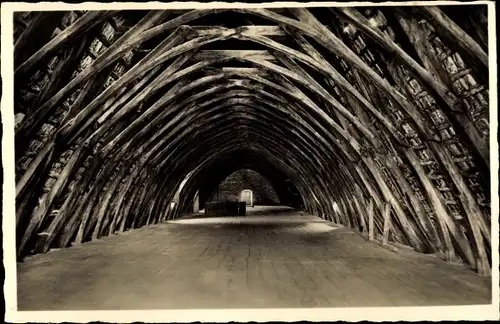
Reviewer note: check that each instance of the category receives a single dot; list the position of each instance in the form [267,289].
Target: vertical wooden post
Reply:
[196,203]
[408,230]
[370,220]
[357,204]
[387,219]
[477,222]
[377,199]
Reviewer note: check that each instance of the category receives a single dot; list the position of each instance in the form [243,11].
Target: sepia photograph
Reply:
[250,162]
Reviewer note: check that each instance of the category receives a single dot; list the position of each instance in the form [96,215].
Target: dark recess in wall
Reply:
[231,187]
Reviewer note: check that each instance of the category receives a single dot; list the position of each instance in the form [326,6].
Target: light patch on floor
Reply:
[284,259]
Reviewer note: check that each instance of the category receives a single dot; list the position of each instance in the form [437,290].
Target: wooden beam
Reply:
[73,213]
[454,33]
[112,53]
[374,194]
[128,94]
[387,220]
[371,234]
[292,66]
[260,30]
[475,216]
[441,213]
[358,202]
[135,101]
[180,20]
[347,86]
[44,205]
[115,213]
[310,26]
[389,196]
[70,34]
[102,207]
[91,198]
[459,119]
[147,63]
[26,202]
[124,214]
[205,55]
[22,183]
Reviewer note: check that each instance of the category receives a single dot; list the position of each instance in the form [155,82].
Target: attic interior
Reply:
[374,118]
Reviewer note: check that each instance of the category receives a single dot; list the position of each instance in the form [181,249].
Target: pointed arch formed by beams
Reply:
[72,124]
[300,139]
[221,140]
[222,87]
[149,135]
[231,145]
[303,187]
[173,94]
[206,107]
[318,161]
[77,119]
[160,156]
[222,165]
[186,111]
[219,87]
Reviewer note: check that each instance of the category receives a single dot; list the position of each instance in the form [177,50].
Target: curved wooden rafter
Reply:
[304,101]
[433,83]
[171,109]
[266,64]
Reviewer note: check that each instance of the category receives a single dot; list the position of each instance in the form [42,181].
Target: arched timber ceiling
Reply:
[207,179]
[368,113]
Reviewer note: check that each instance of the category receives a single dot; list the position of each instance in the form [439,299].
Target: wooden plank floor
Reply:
[273,258]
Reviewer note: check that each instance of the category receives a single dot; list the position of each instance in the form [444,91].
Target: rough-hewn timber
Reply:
[377,118]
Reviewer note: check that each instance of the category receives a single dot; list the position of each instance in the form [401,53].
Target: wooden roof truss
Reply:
[382,111]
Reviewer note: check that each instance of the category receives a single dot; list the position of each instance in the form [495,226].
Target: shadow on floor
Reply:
[253,211]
